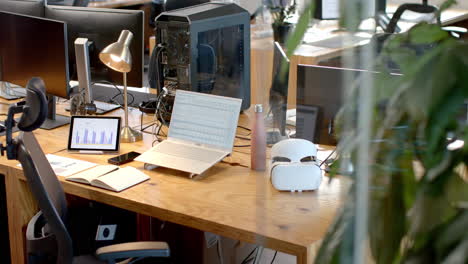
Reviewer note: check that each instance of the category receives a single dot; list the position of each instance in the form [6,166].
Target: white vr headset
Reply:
[294,166]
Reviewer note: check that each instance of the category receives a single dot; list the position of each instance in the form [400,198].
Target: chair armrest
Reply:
[133,250]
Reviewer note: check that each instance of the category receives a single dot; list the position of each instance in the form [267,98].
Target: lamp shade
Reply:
[117,55]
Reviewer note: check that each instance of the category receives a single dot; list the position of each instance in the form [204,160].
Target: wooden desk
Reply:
[230,200]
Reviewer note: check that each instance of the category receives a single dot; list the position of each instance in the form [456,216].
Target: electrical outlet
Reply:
[105,232]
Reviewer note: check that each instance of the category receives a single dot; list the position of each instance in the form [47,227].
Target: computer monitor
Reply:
[319,98]
[330,9]
[35,47]
[102,27]
[279,89]
[25,7]
[176,4]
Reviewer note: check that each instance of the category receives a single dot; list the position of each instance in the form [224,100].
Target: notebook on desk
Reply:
[201,133]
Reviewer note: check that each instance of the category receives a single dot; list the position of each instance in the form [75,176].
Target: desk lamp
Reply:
[117,57]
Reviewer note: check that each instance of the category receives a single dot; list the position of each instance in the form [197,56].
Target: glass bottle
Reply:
[258,141]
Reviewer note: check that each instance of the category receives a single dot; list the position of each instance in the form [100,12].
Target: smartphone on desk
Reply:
[124,158]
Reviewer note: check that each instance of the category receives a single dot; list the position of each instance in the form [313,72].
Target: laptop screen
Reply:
[205,119]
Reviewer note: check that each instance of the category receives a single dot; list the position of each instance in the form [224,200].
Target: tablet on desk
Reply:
[94,134]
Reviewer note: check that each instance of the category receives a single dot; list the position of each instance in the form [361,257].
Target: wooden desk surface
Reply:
[229,200]
[117,3]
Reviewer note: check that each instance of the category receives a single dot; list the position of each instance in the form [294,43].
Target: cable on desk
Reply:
[245,128]
[242,146]
[112,99]
[327,158]
[153,68]
[244,138]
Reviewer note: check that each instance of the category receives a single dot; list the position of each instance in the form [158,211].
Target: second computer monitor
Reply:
[176,4]
[102,27]
[25,7]
[319,98]
[34,47]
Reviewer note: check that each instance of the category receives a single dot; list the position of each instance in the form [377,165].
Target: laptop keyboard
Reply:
[189,152]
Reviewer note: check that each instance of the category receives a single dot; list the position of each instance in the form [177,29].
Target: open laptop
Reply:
[201,133]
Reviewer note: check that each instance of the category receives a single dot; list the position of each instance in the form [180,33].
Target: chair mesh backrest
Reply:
[48,191]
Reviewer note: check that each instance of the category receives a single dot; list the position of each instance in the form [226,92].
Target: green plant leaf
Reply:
[453,232]
[425,33]
[442,116]
[431,209]
[296,36]
[459,254]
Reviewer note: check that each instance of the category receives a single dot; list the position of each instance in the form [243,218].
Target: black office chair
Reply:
[48,239]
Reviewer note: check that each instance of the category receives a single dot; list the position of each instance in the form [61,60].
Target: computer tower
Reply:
[204,48]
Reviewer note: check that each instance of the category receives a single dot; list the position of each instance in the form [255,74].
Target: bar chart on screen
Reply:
[94,137]
[94,133]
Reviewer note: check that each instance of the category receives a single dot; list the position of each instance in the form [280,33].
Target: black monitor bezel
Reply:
[67,93]
[133,79]
[70,133]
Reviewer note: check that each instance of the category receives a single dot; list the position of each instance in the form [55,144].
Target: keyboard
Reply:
[189,152]
[102,107]
[12,93]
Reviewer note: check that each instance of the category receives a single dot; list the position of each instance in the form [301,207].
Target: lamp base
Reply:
[129,135]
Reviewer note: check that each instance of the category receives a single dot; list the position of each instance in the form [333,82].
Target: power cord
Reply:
[245,128]
[153,67]
[327,158]
[249,258]
[274,256]
[119,93]
[244,138]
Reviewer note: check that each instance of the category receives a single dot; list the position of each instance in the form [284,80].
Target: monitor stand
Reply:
[53,120]
[9,93]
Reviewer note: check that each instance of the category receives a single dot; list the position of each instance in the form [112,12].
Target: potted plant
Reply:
[418,187]
[281,11]
[418,193]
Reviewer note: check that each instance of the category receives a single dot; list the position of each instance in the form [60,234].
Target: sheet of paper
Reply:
[66,166]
